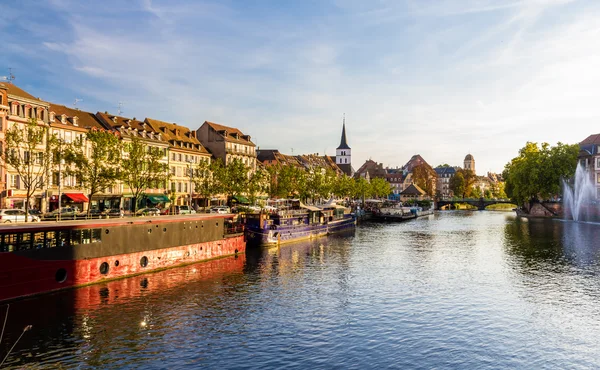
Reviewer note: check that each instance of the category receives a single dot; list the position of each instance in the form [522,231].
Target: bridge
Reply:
[480,203]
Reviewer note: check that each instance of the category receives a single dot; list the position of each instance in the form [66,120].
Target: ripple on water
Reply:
[455,290]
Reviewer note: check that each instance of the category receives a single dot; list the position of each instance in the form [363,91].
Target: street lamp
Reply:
[190,174]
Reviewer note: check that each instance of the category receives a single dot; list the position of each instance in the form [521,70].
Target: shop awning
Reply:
[77,197]
[240,199]
[158,198]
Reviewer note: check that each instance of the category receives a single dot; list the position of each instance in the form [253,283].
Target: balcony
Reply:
[240,152]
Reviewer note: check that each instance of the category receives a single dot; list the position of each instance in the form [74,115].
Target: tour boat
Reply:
[297,222]
[42,257]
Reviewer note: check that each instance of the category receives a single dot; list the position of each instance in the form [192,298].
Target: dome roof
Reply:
[469,157]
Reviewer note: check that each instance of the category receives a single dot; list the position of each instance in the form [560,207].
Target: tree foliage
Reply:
[95,161]
[537,171]
[425,177]
[29,151]
[141,168]
[457,184]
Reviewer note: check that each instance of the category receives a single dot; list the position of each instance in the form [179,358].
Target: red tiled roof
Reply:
[85,119]
[13,89]
[592,139]
[174,132]
[231,131]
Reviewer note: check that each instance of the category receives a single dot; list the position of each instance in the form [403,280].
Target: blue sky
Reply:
[440,78]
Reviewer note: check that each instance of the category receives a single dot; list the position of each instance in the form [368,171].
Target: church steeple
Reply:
[343,155]
[343,143]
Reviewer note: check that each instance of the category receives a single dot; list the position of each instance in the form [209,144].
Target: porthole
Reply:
[149,231]
[217,224]
[236,251]
[196,226]
[187,254]
[61,275]
[200,248]
[164,229]
[116,263]
[106,231]
[144,261]
[104,268]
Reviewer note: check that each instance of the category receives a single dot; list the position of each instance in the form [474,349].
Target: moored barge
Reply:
[299,222]
[42,257]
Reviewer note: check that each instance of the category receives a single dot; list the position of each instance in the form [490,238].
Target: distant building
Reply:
[412,193]
[227,143]
[395,178]
[272,157]
[343,153]
[589,158]
[469,163]
[444,175]
[371,169]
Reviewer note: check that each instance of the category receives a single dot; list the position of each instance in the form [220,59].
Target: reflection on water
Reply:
[454,290]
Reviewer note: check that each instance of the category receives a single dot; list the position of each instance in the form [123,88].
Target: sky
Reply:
[439,78]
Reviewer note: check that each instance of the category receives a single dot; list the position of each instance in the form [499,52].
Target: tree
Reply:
[445,165]
[203,179]
[536,173]
[28,151]
[342,186]
[380,187]
[457,184]
[95,161]
[232,179]
[257,183]
[425,177]
[361,189]
[141,167]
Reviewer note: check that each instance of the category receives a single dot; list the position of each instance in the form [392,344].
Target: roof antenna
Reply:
[8,79]
[119,110]
[76,101]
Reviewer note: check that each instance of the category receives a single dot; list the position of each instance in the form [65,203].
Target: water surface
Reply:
[455,290]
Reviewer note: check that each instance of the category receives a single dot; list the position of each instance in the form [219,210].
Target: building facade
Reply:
[227,144]
[444,175]
[185,153]
[469,163]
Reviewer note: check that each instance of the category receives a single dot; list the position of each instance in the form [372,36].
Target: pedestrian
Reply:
[122,212]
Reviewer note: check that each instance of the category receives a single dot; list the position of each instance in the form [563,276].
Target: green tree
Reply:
[141,166]
[425,177]
[29,151]
[257,183]
[457,184]
[96,169]
[342,186]
[203,179]
[380,187]
[537,171]
[361,189]
[232,179]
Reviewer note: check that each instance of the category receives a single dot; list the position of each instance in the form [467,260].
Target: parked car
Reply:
[184,210]
[148,212]
[65,213]
[114,212]
[94,213]
[220,209]
[16,215]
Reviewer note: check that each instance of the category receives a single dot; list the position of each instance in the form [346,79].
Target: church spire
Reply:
[343,143]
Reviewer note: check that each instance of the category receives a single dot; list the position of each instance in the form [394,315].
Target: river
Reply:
[457,289]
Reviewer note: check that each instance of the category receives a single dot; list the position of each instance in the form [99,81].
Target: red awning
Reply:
[77,197]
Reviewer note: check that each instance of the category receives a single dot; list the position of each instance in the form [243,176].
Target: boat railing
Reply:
[233,229]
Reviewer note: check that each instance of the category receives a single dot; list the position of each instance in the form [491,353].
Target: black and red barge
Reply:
[42,257]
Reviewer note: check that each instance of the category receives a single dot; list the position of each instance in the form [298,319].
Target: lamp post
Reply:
[60,163]
[190,182]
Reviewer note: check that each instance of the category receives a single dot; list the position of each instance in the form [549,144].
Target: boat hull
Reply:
[34,271]
[291,233]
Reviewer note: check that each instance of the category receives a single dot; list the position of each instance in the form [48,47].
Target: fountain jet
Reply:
[577,199]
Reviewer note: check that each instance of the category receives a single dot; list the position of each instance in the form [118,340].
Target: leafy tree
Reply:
[258,183]
[457,184]
[141,166]
[361,189]
[536,173]
[232,179]
[380,187]
[445,165]
[96,169]
[28,151]
[425,177]
[342,186]
[203,179]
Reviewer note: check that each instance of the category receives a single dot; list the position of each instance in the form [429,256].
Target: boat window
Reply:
[50,239]
[96,235]
[75,237]
[38,240]
[63,238]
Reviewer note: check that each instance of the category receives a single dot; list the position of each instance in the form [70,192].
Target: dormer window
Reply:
[75,121]
[114,119]
[52,116]
[63,119]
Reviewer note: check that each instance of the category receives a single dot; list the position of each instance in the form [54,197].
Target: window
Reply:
[185,187]
[173,187]
[179,157]
[179,187]
[597,163]
[173,156]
